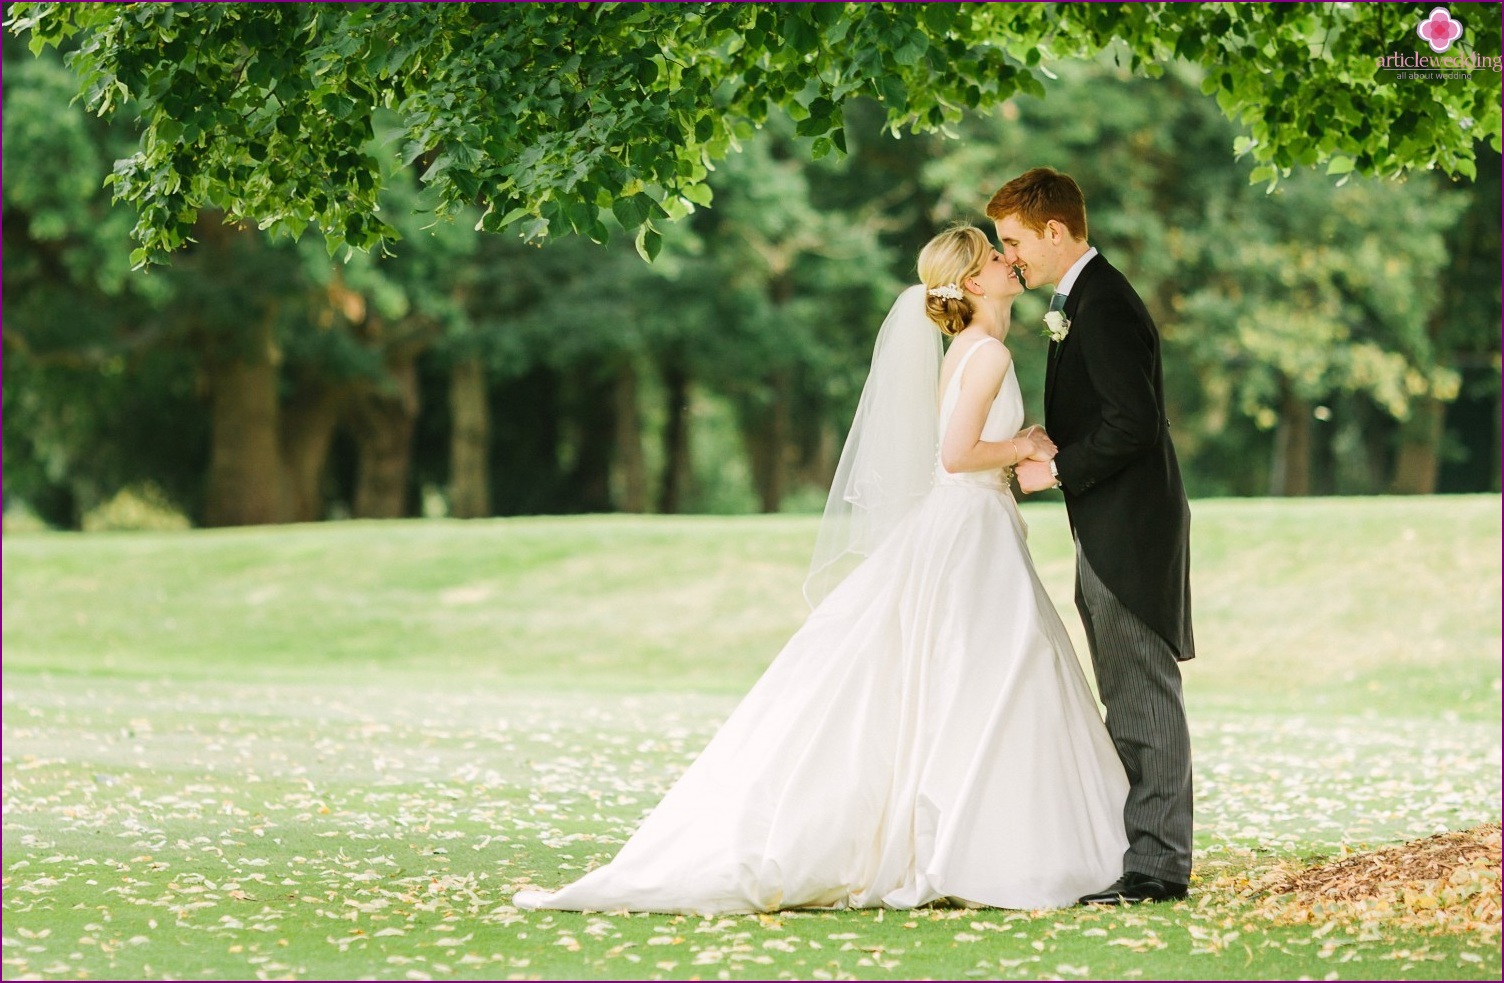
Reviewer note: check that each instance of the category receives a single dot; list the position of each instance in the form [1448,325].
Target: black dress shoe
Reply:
[1133,887]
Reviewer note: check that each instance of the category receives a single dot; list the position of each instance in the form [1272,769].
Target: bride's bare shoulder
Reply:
[986,361]
[985,351]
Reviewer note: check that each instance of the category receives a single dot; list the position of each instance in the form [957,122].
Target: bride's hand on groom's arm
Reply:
[1034,430]
[1043,448]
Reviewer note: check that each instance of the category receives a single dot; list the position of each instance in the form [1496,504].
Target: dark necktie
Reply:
[1057,302]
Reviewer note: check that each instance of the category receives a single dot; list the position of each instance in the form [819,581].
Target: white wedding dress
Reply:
[927,734]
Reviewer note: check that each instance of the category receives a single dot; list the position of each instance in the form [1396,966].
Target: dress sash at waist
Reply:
[999,480]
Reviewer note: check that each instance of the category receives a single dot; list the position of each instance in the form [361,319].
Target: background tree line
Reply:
[1331,337]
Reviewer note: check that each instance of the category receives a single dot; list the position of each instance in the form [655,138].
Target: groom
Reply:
[1105,410]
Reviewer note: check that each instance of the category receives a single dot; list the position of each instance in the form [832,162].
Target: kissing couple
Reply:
[928,734]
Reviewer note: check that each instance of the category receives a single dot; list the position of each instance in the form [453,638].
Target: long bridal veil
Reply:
[888,462]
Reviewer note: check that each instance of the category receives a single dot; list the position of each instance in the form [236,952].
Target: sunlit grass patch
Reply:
[337,752]
[375,832]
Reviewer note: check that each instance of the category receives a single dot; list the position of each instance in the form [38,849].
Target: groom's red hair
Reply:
[1040,195]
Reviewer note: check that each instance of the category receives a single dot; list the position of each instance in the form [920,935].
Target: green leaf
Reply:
[893,93]
[911,50]
[513,216]
[647,73]
[649,242]
[631,211]
[814,126]
[799,34]
[440,164]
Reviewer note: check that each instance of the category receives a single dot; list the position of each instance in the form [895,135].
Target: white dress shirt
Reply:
[1069,280]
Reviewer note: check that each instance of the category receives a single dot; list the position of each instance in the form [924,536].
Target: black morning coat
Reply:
[1105,410]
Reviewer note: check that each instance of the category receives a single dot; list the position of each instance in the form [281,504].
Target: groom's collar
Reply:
[1069,280]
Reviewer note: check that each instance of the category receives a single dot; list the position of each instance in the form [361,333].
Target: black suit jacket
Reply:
[1105,410]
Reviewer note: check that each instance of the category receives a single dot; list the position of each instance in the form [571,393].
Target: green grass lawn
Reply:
[334,751]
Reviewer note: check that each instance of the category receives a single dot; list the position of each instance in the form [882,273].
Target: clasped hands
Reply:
[1034,470]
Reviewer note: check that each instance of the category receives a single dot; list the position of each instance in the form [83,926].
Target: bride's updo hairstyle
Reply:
[945,264]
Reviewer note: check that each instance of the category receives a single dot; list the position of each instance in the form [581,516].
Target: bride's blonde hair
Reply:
[950,259]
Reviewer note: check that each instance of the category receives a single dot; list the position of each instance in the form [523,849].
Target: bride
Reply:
[928,733]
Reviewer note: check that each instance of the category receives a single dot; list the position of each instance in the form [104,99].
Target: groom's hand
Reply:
[1034,476]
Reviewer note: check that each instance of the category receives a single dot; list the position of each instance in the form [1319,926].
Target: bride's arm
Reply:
[962,447]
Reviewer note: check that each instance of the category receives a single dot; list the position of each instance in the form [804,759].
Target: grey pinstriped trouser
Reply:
[1138,680]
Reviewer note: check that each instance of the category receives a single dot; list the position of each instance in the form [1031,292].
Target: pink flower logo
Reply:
[1440,29]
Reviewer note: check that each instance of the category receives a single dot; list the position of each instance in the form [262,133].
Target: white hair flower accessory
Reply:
[947,290]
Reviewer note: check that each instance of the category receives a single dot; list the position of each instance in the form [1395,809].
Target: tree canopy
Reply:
[252,380]
[549,116]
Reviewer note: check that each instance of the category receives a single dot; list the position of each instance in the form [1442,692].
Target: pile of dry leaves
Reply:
[1447,883]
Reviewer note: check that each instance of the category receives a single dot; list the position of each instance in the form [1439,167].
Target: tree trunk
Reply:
[1362,445]
[307,425]
[1496,448]
[245,463]
[469,441]
[675,479]
[768,439]
[816,449]
[631,468]
[383,424]
[595,415]
[1291,474]
[526,475]
[1419,457]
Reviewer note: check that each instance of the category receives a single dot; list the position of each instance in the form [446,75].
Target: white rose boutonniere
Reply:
[1057,325]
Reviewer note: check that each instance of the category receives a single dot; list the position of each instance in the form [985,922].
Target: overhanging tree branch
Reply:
[548,115]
